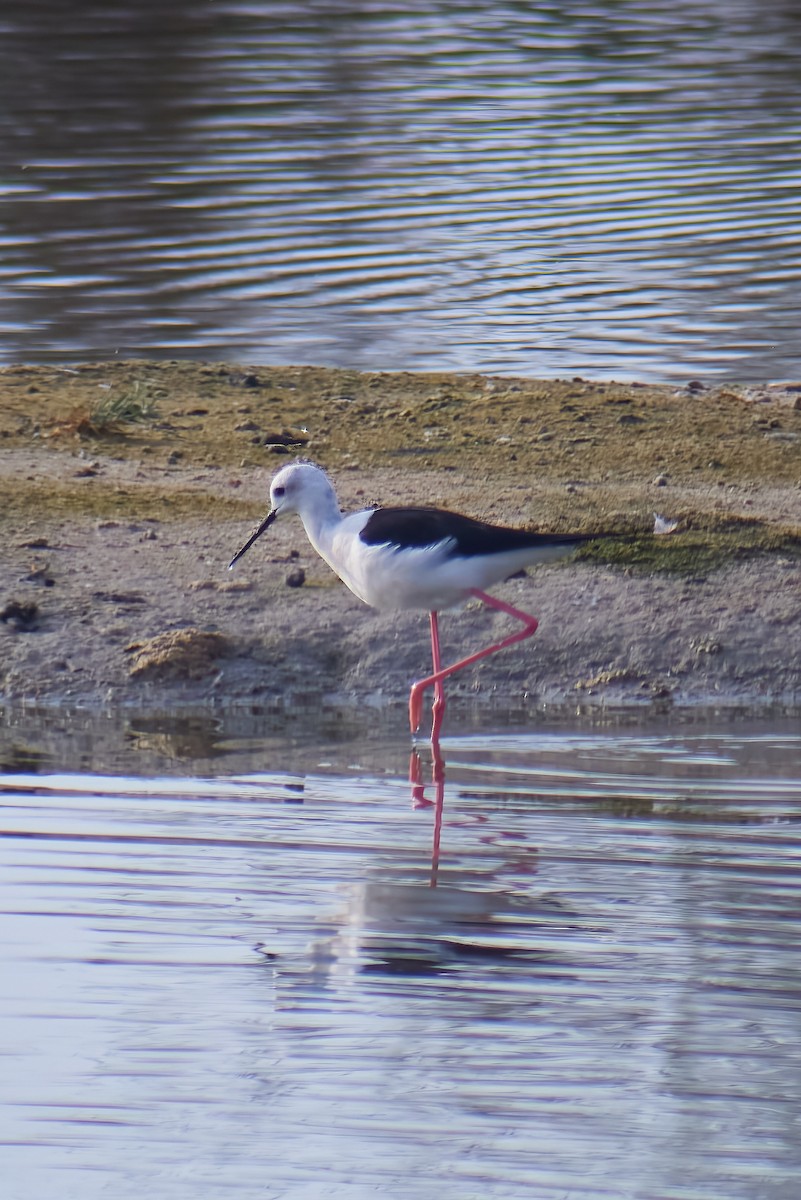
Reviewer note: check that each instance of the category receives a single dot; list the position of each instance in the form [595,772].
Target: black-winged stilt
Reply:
[405,558]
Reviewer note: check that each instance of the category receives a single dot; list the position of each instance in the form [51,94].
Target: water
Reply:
[230,964]
[547,189]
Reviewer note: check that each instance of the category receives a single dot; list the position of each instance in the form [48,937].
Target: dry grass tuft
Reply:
[112,415]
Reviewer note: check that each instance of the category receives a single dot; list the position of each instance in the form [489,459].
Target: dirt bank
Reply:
[125,488]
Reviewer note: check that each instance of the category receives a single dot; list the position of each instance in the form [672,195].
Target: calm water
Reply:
[227,970]
[609,189]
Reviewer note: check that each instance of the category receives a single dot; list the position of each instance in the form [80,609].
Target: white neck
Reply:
[321,517]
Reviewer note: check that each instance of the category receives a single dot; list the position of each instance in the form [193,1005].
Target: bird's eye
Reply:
[279,491]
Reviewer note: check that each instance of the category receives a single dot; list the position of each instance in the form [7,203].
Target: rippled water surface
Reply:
[235,968]
[543,189]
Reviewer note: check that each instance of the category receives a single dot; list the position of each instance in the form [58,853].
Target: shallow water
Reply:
[593,188]
[236,968]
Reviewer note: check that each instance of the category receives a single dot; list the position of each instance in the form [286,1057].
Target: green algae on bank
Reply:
[697,551]
[530,429]
[48,499]
[576,453]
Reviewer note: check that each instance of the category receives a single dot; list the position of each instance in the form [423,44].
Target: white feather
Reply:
[662,525]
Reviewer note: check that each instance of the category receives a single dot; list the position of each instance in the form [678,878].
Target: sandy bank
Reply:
[116,533]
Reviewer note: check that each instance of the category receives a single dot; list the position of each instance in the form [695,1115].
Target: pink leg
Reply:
[438,707]
[438,780]
[440,674]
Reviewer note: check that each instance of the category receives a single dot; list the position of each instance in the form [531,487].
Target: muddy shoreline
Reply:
[117,533]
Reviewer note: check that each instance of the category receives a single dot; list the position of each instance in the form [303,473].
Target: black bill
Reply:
[266,523]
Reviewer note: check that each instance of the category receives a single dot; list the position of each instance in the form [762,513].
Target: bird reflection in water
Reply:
[420,800]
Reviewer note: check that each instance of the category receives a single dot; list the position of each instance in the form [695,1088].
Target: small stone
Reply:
[119,597]
[296,578]
[235,585]
[23,617]
[287,437]
[38,572]
[705,645]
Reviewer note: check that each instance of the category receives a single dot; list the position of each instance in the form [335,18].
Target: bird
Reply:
[414,558]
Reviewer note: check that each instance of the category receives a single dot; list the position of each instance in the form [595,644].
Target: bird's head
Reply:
[297,488]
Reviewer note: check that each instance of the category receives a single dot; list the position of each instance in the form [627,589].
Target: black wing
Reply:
[407,528]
